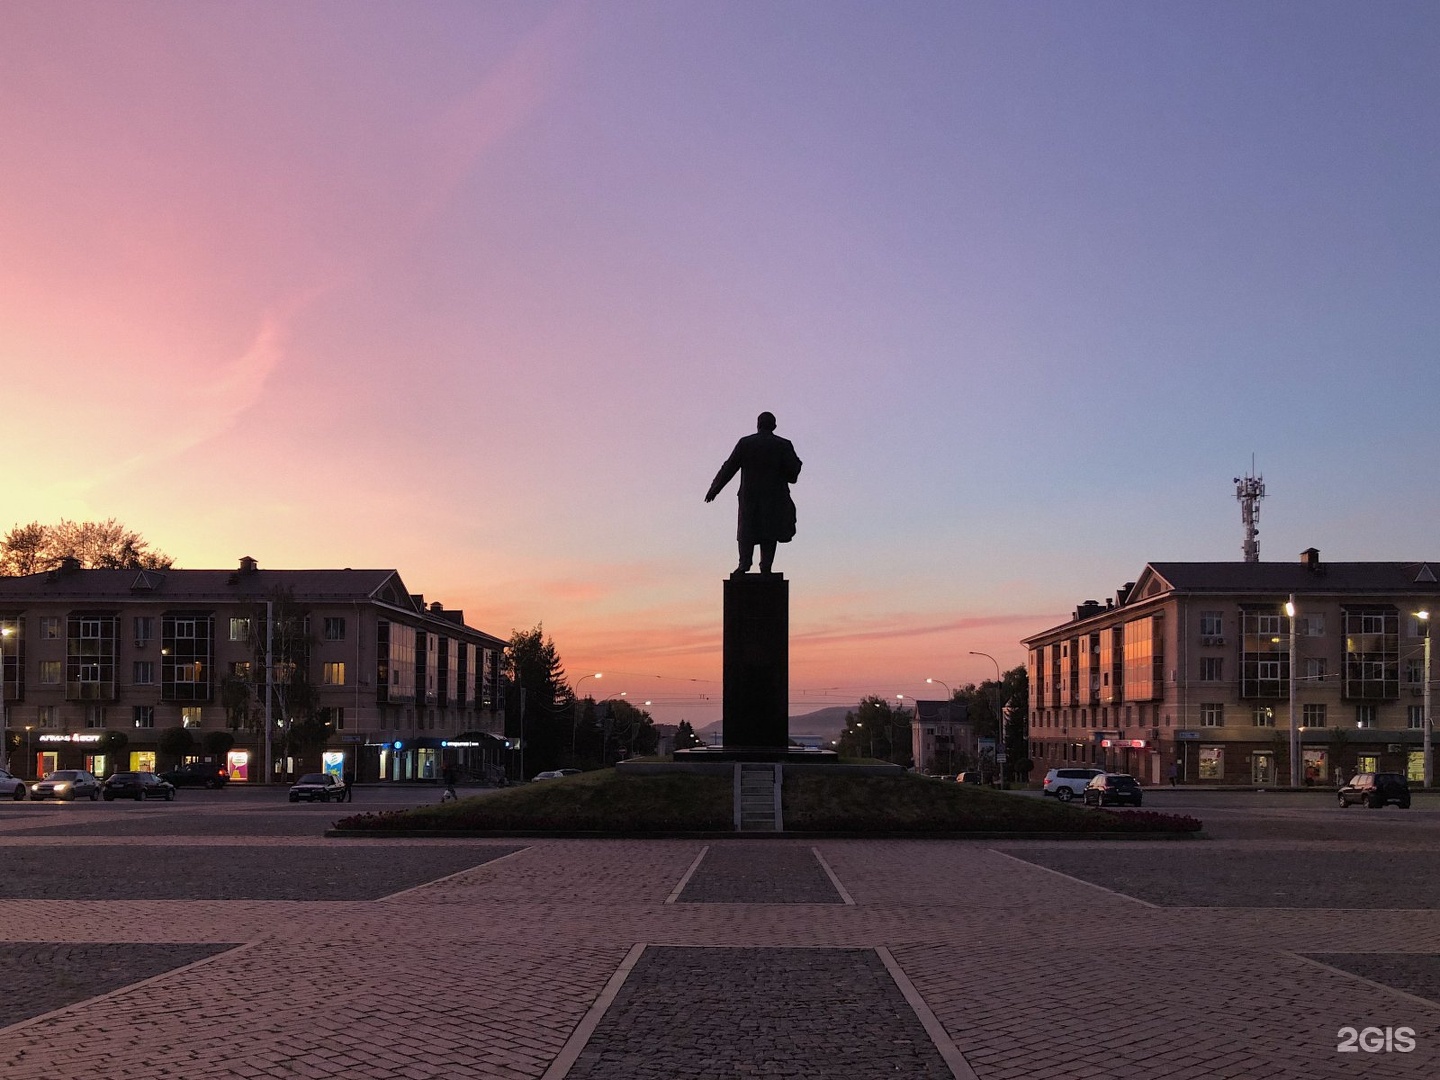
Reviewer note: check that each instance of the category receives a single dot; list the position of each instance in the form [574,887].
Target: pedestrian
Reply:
[450,775]
[349,793]
[1173,773]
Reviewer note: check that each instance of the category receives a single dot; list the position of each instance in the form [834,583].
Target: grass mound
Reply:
[611,802]
[918,804]
[602,801]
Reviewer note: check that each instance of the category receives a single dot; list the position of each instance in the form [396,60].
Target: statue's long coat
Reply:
[767,466]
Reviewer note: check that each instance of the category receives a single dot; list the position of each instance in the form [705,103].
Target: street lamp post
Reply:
[999,720]
[1294,695]
[949,731]
[575,718]
[1427,755]
[5,632]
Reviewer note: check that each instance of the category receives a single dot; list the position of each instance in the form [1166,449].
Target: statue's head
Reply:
[765,422]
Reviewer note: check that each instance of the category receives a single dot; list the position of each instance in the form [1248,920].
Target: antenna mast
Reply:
[1250,490]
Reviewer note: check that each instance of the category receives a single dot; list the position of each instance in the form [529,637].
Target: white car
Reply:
[12,786]
[1067,784]
[554,774]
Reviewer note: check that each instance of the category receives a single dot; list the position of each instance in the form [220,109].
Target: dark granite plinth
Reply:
[756,708]
[785,755]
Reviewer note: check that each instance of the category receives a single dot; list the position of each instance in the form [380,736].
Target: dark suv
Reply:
[198,774]
[1375,789]
[1111,789]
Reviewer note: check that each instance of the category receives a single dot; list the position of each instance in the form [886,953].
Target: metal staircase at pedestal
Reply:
[757,797]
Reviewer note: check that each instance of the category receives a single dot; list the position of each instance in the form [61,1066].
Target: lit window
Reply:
[332,674]
[1264,716]
[239,630]
[190,716]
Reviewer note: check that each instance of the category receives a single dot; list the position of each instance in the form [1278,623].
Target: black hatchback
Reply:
[1375,789]
[138,786]
[1112,789]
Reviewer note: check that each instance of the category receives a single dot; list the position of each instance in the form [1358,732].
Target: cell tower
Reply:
[1250,490]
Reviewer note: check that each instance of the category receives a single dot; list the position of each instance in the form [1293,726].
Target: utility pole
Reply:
[269,688]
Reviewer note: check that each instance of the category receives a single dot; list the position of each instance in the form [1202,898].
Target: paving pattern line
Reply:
[1082,881]
[928,1020]
[449,877]
[75,1006]
[839,888]
[675,893]
[1395,991]
[570,1052]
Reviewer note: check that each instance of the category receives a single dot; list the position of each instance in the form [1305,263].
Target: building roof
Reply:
[1307,577]
[248,584]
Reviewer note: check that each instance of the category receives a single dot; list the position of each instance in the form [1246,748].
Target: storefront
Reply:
[78,750]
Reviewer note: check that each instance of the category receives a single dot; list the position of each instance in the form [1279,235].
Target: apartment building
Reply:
[942,739]
[404,686]
[1190,666]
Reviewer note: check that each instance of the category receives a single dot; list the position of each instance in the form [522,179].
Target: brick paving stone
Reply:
[1417,973]
[233,872]
[818,1013]
[768,872]
[40,977]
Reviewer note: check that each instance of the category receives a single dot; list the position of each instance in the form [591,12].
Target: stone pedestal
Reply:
[756,707]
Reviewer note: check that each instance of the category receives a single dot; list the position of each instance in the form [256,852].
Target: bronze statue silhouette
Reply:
[767,466]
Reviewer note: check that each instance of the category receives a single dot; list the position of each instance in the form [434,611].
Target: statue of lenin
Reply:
[767,466]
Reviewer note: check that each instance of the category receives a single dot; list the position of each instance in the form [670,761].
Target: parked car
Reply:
[66,784]
[1112,789]
[209,774]
[323,786]
[554,774]
[138,786]
[12,786]
[970,777]
[1375,789]
[1065,784]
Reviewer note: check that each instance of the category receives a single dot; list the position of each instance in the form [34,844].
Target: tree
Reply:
[685,736]
[112,745]
[176,742]
[1011,696]
[95,545]
[877,730]
[304,736]
[217,743]
[537,678]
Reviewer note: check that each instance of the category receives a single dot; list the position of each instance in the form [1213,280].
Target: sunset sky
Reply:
[486,292]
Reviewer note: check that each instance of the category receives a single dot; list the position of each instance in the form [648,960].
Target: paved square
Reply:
[498,959]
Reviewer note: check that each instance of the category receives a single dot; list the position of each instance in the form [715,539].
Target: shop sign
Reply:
[76,738]
[1187,735]
[460,743]
[1124,744]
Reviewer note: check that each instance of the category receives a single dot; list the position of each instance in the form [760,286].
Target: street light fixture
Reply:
[575,708]
[999,720]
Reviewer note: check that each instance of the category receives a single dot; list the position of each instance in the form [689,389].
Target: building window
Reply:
[144,630]
[94,716]
[1212,762]
[144,671]
[1416,627]
[332,673]
[239,629]
[1415,716]
[90,657]
[185,657]
[1312,625]
[1264,716]
[1212,623]
[1264,655]
[1212,669]
[1315,668]
[1212,715]
[50,627]
[334,628]
[240,669]
[191,672]
[1312,716]
[1365,716]
[144,716]
[50,672]
[1372,653]
[1414,672]
[45,716]
[190,716]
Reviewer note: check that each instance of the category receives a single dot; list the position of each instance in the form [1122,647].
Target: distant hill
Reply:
[828,723]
